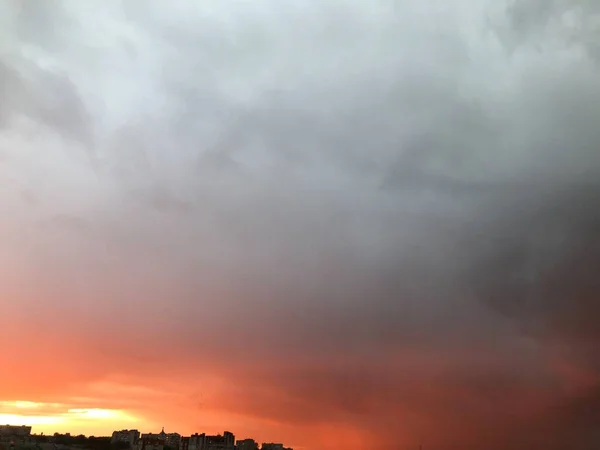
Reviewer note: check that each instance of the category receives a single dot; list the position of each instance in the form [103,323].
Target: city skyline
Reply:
[22,438]
[106,431]
[336,224]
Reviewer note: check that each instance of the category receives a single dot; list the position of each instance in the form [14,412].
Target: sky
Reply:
[328,223]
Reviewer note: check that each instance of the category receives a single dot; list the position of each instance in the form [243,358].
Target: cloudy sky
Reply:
[329,223]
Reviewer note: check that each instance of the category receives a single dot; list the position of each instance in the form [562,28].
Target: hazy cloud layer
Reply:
[356,214]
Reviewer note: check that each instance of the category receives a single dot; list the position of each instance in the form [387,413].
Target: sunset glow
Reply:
[52,417]
[39,422]
[330,224]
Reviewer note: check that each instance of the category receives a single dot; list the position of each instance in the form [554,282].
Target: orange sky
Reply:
[352,224]
[78,387]
[57,392]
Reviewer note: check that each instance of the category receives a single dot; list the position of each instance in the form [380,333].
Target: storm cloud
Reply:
[378,216]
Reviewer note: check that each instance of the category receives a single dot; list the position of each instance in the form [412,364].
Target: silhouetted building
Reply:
[207,442]
[150,443]
[173,440]
[184,443]
[153,441]
[272,446]
[130,437]
[195,441]
[15,431]
[246,444]
[14,434]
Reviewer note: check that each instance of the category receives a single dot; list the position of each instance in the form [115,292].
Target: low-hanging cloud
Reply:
[356,213]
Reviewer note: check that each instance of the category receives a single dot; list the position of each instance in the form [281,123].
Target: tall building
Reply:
[158,441]
[130,437]
[272,446]
[195,441]
[246,444]
[150,443]
[14,434]
[15,430]
[207,442]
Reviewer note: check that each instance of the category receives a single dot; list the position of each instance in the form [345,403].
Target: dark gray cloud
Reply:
[322,180]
